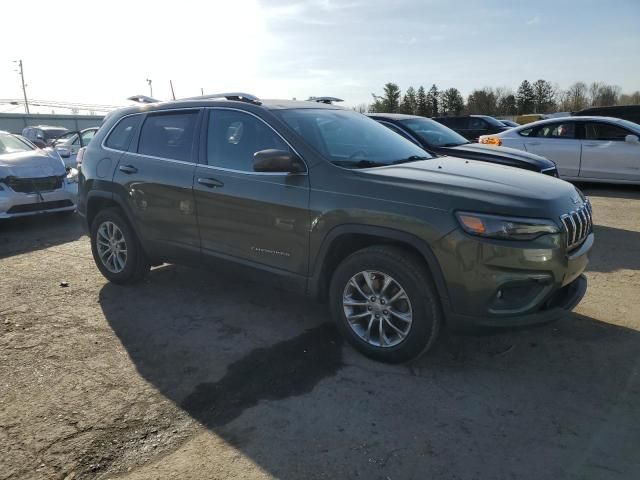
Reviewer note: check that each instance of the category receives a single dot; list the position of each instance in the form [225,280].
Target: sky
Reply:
[103,51]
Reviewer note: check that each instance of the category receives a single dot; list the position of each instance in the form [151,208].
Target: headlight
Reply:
[505,228]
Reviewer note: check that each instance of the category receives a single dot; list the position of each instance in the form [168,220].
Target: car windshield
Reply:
[433,133]
[53,133]
[12,144]
[630,125]
[350,139]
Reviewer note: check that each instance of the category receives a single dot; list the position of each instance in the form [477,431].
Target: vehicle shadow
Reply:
[265,371]
[614,249]
[28,234]
[610,190]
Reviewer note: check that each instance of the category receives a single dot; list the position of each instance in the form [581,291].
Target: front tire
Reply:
[116,248]
[385,303]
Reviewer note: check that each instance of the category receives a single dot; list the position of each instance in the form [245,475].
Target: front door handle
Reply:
[210,182]
[128,169]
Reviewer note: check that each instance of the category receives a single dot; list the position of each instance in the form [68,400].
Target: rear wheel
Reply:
[116,248]
[385,303]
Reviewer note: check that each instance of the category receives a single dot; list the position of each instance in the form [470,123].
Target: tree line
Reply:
[540,96]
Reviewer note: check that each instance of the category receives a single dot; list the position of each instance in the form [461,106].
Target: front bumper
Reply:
[505,284]
[16,204]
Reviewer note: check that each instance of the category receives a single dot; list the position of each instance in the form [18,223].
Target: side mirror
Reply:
[632,139]
[272,160]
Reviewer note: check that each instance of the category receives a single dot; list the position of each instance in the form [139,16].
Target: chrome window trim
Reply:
[306,172]
[172,160]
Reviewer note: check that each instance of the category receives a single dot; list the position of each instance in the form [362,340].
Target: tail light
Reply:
[80,156]
[491,141]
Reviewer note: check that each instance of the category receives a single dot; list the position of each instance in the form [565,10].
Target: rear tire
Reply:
[116,248]
[396,323]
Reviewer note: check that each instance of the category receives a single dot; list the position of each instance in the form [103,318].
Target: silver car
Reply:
[69,144]
[33,180]
[592,149]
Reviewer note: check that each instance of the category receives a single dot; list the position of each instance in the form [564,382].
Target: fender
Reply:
[114,198]
[315,280]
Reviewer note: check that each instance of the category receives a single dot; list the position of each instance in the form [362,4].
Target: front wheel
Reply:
[385,303]
[116,249]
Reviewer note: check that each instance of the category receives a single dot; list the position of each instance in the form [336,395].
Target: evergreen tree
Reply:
[482,102]
[452,102]
[433,101]
[409,103]
[422,108]
[389,102]
[507,105]
[525,98]
[543,96]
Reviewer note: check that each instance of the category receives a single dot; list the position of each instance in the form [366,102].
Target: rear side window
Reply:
[604,131]
[168,135]
[557,130]
[120,137]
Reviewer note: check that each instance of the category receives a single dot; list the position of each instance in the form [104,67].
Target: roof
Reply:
[575,119]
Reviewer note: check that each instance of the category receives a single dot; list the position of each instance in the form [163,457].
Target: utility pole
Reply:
[24,86]
[150,87]
[173,94]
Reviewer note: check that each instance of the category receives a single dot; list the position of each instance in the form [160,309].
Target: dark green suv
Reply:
[328,202]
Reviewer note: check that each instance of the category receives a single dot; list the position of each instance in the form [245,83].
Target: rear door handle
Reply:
[210,182]
[128,169]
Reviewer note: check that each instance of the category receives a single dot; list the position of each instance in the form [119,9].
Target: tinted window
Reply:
[168,135]
[234,137]
[604,131]
[433,133]
[477,124]
[350,139]
[120,137]
[526,132]
[557,130]
[397,130]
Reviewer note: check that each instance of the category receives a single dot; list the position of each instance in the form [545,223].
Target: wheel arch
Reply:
[344,240]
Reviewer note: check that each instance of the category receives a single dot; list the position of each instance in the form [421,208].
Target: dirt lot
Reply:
[189,375]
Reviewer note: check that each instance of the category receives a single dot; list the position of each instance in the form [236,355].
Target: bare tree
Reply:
[575,98]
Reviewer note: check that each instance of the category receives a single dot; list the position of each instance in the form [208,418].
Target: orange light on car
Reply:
[472,224]
[491,141]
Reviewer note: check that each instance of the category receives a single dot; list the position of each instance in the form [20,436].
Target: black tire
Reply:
[136,265]
[411,273]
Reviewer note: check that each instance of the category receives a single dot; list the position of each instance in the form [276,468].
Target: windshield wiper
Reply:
[359,163]
[455,144]
[412,158]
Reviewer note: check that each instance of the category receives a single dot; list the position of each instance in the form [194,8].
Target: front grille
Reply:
[36,207]
[578,224]
[34,185]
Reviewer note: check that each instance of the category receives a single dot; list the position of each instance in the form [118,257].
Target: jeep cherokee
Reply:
[330,203]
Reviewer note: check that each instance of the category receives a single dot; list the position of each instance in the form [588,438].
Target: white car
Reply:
[69,144]
[598,149]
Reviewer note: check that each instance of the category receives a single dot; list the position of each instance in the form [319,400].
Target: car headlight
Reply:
[505,228]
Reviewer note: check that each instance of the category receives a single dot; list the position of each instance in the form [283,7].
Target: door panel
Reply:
[262,218]
[158,183]
[557,142]
[605,154]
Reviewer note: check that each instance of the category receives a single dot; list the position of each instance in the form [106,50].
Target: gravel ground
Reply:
[190,375]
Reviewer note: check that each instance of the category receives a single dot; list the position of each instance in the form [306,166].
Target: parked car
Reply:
[440,140]
[472,126]
[625,112]
[43,135]
[32,180]
[69,145]
[509,123]
[598,149]
[328,202]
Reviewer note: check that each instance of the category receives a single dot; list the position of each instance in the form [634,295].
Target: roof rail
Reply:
[238,96]
[327,100]
[143,99]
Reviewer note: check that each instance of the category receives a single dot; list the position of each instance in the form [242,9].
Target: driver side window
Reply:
[233,138]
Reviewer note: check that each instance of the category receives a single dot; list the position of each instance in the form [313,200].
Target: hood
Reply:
[508,156]
[31,164]
[452,183]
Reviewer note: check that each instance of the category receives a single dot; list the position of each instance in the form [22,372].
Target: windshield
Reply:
[11,144]
[350,139]
[53,133]
[633,126]
[434,133]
